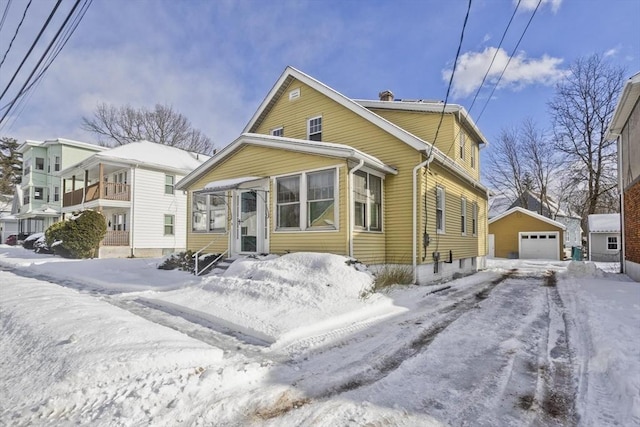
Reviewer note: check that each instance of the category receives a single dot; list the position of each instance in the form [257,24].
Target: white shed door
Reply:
[539,245]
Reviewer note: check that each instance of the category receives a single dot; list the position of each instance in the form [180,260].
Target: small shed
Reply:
[520,233]
[604,237]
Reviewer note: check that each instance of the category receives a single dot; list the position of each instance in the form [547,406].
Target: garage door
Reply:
[539,245]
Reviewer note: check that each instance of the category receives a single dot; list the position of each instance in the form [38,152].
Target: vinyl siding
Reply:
[150,205]
[369,247]
[462,246]
[506,232]
[425,125]
[267,162]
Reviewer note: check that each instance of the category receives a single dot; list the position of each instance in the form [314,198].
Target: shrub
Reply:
[78,237]
[186,262]
[393,274]
[30,241]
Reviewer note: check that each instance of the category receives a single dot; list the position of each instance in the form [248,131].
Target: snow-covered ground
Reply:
[301,340]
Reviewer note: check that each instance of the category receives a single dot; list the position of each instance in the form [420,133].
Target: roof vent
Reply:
[386,95]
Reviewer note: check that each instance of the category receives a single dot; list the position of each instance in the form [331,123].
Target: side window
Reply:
[169,221]
[474,219]
[463,142]
[314,129]
[169,182]
[463,216]
[440,213]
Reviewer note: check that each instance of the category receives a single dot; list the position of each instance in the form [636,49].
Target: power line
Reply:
[17,29]
[509,61]
[4,15]
[464,25]
[33,45]
[57,49]
[504,33]
[42,57]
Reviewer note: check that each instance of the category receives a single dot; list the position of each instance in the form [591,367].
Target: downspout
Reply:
[352,208]
[415,214]
[133,210]
[622,239]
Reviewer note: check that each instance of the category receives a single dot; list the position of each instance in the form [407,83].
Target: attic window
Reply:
[294,94]
[314,129]
[277,131]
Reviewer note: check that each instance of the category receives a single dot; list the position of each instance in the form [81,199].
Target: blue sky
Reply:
[214,61]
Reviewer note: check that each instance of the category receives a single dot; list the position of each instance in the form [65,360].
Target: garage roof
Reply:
[530,213]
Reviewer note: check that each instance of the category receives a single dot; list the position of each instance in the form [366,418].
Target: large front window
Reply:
[367,201]
[307,201]
[209,213]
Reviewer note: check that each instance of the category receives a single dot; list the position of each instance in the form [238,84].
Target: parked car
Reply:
[11,240]
[31,240]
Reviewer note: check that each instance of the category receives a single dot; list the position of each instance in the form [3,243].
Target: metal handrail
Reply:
[197,254]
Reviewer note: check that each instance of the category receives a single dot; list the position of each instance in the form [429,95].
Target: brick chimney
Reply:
[386,95]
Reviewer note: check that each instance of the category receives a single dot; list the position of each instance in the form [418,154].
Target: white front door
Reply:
[250,221]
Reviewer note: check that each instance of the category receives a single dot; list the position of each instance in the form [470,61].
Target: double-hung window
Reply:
[209,213]
[440,213]
[320,199]
[463,143]
[474,219]
[473,156]
[40,163]
[169,182]
[38,193]
[169,222]
[367,199]
[463,216]
[306,201]
[56,163]
[612,243]
[288,202]
[26,167]
[56,194]
[314,129]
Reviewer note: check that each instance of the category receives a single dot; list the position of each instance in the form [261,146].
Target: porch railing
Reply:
[199,270]
[112,191]
[115,238]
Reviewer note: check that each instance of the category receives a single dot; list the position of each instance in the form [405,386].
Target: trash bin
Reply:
[576,253]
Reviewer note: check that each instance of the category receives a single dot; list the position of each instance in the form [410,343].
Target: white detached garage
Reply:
[520,233]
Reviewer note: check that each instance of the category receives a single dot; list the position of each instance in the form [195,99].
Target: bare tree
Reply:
[122,125]
[581,111]
[523,161]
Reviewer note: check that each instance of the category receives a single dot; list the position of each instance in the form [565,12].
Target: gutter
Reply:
[352,208]
[415,214]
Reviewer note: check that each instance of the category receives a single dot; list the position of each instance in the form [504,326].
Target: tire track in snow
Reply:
[379,370]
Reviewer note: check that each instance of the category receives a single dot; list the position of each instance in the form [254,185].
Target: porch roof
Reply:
[228,184]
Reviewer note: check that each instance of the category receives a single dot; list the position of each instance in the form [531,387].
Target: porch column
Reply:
[100,181]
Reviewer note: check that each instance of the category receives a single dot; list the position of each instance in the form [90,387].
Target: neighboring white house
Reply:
[37,200]
[604,237]
[8,222]
[133,186]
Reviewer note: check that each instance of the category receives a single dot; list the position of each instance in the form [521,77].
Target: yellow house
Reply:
[384,181]
[521,233]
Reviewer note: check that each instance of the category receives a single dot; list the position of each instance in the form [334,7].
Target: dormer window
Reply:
[314,129]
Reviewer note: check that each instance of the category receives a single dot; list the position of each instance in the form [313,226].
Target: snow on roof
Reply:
[604,223]
[147,152]
[531,214]
[228,184]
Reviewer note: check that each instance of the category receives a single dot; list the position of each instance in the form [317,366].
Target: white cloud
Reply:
[611,52]
[521,71]
[532,4]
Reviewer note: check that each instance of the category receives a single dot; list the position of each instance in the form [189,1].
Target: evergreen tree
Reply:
[10,165]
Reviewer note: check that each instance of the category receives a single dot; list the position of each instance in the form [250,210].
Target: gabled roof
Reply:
[429,107]
[289,144]
[604,223]
[291,73]
[408,138]
[628,99]
[146,153]
[531,214]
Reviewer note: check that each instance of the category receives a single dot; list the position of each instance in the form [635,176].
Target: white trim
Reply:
[272,132]
[309,128]
[531,214]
